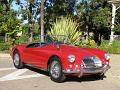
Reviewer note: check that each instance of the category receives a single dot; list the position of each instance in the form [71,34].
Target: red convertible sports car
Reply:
[61,60]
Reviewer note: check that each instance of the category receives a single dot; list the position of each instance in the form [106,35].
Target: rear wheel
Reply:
[17,61]
[55,70]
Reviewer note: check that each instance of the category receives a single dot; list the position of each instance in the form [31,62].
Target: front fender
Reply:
[20,49]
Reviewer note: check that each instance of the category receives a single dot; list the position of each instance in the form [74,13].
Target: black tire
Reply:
[17,63]
[61,77]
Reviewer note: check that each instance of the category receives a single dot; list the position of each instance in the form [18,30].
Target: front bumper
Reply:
[83,71]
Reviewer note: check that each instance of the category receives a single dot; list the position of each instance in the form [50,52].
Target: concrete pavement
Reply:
[34,79]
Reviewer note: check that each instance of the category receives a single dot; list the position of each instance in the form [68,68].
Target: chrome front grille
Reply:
[92,61]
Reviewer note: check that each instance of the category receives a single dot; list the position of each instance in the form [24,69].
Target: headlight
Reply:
[71,58]
[107,56]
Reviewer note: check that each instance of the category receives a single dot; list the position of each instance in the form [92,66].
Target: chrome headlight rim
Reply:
[107,56]
[71,58]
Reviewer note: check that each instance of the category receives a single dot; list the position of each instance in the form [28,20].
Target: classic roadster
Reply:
[61,60]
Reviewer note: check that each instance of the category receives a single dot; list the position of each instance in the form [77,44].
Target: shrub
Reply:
[4,46]
[21,39]
[36,38]
[88,43]
[67,27]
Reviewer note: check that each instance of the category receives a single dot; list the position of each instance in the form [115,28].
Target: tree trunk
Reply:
[6,39]
[30,31]
[42,20]
[113,23]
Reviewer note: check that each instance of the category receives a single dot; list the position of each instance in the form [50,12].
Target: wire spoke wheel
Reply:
[17,61]
[55,70]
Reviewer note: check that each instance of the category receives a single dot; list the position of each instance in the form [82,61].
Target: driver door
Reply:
[32,54]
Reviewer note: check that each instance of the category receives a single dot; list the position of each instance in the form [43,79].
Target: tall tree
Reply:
[27,13]
[117,22]
[57,8]
[30,21]
[101,22]
[8,19]
[96,15]
[53,10]
[42,20]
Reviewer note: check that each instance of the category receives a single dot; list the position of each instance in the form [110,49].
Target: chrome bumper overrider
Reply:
[82,71]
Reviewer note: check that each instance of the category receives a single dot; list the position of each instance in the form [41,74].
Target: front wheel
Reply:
[17,61]
[55,70]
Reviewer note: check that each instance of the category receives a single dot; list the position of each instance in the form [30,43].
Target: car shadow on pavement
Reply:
[37,70]
[84,78]
[69,78]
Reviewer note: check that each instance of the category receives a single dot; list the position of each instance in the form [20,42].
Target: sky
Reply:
[16,7]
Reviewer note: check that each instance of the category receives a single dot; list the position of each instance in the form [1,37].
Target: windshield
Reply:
[55,39]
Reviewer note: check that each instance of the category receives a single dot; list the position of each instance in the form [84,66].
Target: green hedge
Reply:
[4,46]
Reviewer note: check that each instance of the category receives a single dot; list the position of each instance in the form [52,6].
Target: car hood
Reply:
[79,51]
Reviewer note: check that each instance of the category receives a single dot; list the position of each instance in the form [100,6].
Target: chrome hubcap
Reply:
[55,69]
[16,59]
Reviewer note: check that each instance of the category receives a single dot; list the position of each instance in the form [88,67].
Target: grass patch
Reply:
[113,48]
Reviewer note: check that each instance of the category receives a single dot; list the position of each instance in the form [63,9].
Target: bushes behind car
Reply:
[4,46]
[68,27]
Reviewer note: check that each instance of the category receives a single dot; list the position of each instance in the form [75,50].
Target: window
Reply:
[32,45]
